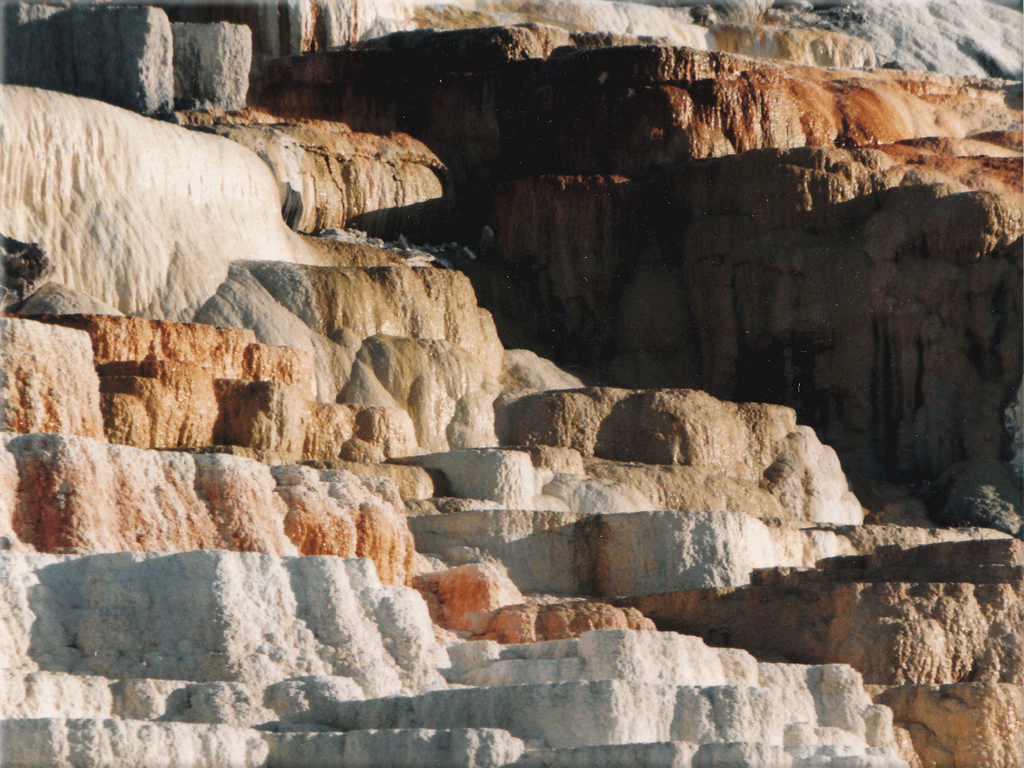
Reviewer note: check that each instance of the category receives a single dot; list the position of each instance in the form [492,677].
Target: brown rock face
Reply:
[559,621]
[961,725]
[871,291]
[936,614]
[485,104]
[179,385]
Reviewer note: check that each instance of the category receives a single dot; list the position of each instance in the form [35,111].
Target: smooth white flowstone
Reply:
[140,214]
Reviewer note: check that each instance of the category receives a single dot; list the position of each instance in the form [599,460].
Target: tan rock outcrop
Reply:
[531,623]
[47,380]
[757,450]
[331,177]
[440,385]
[932,615]
[810,47]
[961,725]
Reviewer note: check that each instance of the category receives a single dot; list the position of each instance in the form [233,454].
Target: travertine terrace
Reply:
[503,384]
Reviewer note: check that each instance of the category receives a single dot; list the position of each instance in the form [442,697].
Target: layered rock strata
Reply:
[65,493]
[495,106]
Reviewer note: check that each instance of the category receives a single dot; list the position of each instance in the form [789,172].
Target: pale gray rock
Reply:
[955,37]
[114,743]
[403,748]
[241,301]
[211,65]
[504,477]
[118,54]
[638,657]
[37,361]
[672,754]
[621,554]
[981,492]
[307,697]
[593,496]
[287,160]
[217,703]
[56,299]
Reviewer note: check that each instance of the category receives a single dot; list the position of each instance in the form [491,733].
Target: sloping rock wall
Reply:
[142,215]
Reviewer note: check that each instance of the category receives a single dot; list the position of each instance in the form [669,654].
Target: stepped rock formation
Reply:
[303,504]
[875,293]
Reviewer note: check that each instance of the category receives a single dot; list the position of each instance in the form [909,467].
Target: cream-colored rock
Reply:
[242,302]
[331,311]
[682,487]
[383,185]
[812,47]
[56,299]
[397,748]
[648,552]
[347,302]
[216,617]
[591,496]
[441,386]
[47,380]
[504,477]
[412,482]
[637,657]
[177,206]
[632,553]
[537,548]
[961,725]
[126,743]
